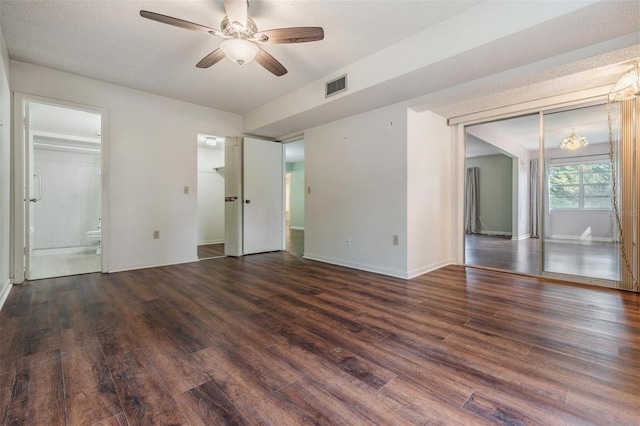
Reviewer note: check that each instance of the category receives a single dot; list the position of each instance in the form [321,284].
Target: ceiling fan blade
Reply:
[177,22]
[211,59]
[290,35]
[270,63]
[237,12]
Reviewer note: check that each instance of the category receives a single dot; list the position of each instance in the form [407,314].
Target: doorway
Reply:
[580,234]
[295,196]
[63,180]
[211,190]
[497,233]
[563,211]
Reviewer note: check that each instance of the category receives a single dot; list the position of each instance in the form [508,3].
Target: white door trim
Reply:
[18,194]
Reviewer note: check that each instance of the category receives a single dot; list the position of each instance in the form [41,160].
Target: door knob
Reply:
[247,201]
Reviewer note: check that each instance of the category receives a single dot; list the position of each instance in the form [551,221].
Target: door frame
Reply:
[563,103]
[20,166]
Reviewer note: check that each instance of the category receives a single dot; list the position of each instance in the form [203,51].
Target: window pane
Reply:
[577,186]
[596,177]
[565,191]
[564,203]
[597,189]
[564,175]
[597,202]
[603,167]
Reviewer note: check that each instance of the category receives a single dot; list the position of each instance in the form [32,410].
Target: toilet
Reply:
[94,238]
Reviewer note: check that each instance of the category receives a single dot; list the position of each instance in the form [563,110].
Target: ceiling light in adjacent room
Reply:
[239,51]
[573,142]
[211,141]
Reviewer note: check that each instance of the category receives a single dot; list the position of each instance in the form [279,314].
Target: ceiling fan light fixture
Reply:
[239,50]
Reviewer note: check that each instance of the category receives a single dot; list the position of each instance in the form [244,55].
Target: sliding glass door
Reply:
[556,194]
[579,226]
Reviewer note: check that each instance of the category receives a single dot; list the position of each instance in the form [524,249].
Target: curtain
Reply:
[534,197]
[472,201]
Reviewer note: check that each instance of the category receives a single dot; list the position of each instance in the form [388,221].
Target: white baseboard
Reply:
[500,233]
[521,237]
[204,243]
[580,238]
[5,292]
[299,228]
[356,265]
[426,269]
[146,266]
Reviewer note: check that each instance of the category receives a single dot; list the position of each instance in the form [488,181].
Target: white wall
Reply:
[210,196]
[152,156]
[430,192]
[297,195]
[5,166]
[521,184]
[70,203]
[496,177]
[582,225]
[357,170]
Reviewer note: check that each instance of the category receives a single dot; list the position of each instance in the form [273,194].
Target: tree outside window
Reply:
[580,186]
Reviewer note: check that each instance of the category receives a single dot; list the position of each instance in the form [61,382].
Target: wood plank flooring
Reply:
[273,339]
[207,251]
[295,241]
[588,259]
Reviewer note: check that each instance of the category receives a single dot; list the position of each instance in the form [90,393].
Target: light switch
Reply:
[186,189]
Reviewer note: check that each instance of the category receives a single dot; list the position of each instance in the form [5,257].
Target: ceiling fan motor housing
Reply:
[249,30]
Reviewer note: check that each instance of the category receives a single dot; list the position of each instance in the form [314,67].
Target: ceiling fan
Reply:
[241,37]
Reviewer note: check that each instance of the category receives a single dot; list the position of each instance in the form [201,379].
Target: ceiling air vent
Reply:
[336,86]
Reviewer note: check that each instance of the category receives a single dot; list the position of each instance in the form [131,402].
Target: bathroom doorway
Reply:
[63,163]
[211,224]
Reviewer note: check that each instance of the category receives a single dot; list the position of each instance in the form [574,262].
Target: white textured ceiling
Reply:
[587,46]
[109,41]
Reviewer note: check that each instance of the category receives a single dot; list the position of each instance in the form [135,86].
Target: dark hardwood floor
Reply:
[274,339]
[207,251]
[588,259]
[295,241]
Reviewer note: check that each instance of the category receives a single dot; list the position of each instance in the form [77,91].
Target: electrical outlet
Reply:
[347,241]
[396,240]
[156,235]
[186,190]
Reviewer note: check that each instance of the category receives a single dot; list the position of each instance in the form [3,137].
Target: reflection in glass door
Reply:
[580,232]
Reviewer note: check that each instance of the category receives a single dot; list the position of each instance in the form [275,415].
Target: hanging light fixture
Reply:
[628,86]
[239,50]
[573,142]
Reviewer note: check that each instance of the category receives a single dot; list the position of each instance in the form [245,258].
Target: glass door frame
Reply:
[541,111]
[542,184]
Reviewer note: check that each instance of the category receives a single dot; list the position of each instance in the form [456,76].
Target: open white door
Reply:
[263,182]
[30,198]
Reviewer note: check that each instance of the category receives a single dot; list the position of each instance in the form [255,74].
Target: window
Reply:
[580,186]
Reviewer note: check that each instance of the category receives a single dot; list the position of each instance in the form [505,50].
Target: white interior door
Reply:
[263,182]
